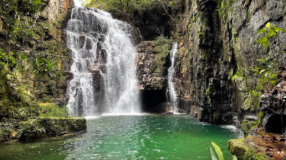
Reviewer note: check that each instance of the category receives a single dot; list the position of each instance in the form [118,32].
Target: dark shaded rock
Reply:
[81,40]
[96,78]
[102,38]
[89,44]
[68,75]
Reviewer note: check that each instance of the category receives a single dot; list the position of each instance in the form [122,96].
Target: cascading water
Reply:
[171,90]
[104,74]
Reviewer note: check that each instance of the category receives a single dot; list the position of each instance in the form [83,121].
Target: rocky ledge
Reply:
[260,145]
[242,149]
[152,65]
[41,128]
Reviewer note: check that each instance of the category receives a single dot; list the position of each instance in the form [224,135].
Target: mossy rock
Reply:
[238,148]
[246,126]
[50,127]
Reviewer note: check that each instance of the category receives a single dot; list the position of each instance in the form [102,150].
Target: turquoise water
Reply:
[147,137]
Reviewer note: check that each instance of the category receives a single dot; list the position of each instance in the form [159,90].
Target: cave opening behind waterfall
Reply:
[153,101]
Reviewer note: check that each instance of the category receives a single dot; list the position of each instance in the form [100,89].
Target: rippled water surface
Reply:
[130,137]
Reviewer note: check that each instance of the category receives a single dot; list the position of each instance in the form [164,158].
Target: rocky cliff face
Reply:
[152,60]
[217,49]
[29,39]
[152,66]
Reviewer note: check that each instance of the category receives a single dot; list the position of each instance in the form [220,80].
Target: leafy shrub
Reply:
[267,70]
[7,60]
[53,110]
[43,65]
[128,5]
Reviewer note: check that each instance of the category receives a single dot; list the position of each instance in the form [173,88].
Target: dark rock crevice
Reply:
[153,101]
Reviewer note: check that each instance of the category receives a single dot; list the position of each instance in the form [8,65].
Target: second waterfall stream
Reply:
[103,66]
[172,95]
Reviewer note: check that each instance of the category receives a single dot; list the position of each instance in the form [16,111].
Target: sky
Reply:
[78,3]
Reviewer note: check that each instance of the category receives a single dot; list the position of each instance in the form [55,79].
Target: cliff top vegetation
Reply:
[129,5]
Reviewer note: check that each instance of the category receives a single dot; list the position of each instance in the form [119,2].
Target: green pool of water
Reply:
[147,137]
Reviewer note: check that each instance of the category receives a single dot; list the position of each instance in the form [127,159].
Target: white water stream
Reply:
[172,95]
[104,74]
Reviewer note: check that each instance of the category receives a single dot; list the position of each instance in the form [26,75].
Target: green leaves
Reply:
[264,41]
[268,25]
[43,65]
[262,60]
[218,151]
[212,154]
[23,56]
[7,60]
[262,71]
[269,31]
[263,30]
[277,29]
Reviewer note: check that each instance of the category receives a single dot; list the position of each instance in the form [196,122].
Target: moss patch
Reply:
[239,148]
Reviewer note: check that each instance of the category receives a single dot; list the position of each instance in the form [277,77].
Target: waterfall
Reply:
[171,90]
[103,64]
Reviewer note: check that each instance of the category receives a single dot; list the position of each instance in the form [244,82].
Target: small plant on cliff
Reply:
[7,60]
[128,6]
[267,70]
[43,66]
[218,153]
[162,46]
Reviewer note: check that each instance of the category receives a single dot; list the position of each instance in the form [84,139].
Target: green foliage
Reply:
[162,50]
[9,7]
[260,114]
[20,19]
[267,70]
[7,60]
[162,46]
[31,5]
[218,153]
[51,110]
[29,47]
[43,65]
[128,5]
[162,41]
[47,99]
[269,32]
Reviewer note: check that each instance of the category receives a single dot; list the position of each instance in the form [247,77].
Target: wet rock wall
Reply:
[217,50]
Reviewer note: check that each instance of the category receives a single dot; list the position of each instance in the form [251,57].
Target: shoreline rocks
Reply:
[41,128]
